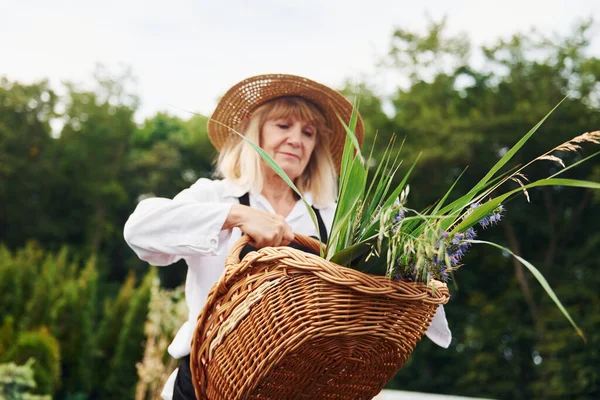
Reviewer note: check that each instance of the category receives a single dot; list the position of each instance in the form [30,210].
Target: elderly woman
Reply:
[295,120]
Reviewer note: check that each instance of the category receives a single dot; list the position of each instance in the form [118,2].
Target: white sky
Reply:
[188,53]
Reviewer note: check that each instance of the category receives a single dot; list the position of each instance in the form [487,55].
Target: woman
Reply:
[295,120]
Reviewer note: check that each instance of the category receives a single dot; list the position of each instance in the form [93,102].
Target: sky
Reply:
[185,54]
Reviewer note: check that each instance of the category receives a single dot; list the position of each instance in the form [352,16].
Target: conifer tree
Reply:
[123,377]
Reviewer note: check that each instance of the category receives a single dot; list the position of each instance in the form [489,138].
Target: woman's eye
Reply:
[283,126]
[308,133]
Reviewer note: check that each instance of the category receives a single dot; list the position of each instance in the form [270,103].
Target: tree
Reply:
[109,328]
[506,331]
[122,379]
[26,166]
[42,347]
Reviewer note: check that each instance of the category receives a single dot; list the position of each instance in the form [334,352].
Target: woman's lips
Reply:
[290,155]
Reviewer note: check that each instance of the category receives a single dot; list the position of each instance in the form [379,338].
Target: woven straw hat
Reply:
[242,99]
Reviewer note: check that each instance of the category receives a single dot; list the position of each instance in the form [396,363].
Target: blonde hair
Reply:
[240,163]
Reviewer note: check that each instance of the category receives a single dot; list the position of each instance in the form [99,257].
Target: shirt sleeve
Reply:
[439,331]
[161,231]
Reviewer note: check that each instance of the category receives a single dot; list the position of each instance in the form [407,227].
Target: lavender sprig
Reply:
[450,250]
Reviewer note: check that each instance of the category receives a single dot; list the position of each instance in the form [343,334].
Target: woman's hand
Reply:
[264,228]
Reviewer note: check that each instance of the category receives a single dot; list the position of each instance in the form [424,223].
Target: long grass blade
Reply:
[575,164]
[441,202]
[506,158]
[538,275]
[488,206]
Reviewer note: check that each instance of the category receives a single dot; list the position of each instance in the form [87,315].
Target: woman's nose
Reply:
[295,134]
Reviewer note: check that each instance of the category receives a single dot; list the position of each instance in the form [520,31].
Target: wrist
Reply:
[234,218]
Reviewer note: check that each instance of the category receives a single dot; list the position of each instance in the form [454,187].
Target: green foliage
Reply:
[122,378]
[17,380]
[50,314]
[111,325]
[16,274]
[45,349]
[73,323]
[8,336]
[167,311]
[465,116]
[26,166]
[168,154]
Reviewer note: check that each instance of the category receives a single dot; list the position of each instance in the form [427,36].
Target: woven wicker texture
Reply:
[242,99]
[284,324]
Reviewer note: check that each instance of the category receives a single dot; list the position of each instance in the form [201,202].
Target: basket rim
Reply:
[234,267]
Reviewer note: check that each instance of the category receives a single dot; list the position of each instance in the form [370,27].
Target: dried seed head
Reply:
[524,189]
[553,158]
[588,137]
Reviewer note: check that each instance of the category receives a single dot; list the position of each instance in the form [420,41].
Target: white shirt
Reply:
[162,231]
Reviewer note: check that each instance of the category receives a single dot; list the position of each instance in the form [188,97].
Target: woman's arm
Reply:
[161,231]
[197,221]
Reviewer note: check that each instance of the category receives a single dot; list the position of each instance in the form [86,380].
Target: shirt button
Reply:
[213,241]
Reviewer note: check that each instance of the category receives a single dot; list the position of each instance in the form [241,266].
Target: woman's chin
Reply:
[292,173]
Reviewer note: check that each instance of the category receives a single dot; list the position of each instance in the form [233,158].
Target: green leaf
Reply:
[353,178]
[351,196]
[441,203]
[370,231]
[484,181]
[487,207]
[350,253]
[459,203]
[390,201]
[538,275]
[383,184]
[575,164]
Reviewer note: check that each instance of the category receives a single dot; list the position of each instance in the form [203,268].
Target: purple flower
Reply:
[444,274]
[470,234]
[495,218]
[454,260]
[399,216]
[457,238]
[484,222]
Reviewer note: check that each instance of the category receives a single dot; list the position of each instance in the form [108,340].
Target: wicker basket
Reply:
[285,324]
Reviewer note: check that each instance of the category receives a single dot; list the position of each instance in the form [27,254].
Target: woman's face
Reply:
[290,142]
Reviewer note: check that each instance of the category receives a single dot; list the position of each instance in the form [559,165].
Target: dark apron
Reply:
[184,389]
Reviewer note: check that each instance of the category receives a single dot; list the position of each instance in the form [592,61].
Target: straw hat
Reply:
[242,99]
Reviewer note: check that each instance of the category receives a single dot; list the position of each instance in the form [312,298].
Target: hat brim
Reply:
[242,99]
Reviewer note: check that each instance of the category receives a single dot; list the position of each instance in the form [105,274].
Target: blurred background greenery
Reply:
[96,320]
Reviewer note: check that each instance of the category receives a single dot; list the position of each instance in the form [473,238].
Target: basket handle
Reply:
[236,249]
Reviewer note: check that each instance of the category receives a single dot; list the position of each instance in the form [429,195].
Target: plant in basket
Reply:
[340,324]
[374,231]
[328,318]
